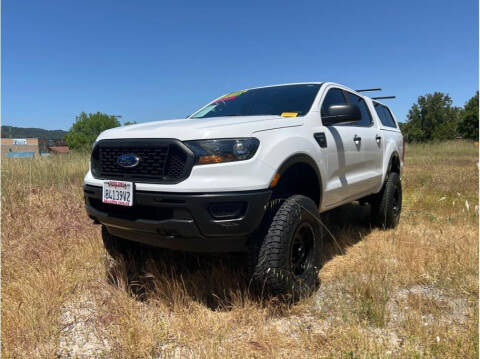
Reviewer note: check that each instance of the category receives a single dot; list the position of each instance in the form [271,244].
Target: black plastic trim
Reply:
[321,139]
[306,159]
[191,217]
[390,162]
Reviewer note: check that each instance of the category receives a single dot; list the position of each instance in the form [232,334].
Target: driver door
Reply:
[344,152]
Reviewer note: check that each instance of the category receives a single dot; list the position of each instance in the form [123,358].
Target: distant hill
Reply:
[21,132]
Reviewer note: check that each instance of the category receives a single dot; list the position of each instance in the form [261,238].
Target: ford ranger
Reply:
[250,171]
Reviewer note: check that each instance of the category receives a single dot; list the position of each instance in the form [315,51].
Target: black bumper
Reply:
[192,222]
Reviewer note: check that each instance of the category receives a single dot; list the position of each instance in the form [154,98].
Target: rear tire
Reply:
[387,204]
[290,255]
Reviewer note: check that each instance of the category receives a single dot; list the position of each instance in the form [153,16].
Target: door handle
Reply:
[378,138]
[357,139]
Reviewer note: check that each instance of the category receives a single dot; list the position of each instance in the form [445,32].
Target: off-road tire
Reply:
[387,204]
[282,267]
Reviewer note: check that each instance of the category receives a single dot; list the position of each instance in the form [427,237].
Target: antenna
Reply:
[365,90]
[383,97]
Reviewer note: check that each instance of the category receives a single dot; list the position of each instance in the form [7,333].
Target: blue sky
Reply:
[154,60]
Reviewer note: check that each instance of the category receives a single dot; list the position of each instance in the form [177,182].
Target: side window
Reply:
[366,116]
[385,116]
[391,121]
[334,97]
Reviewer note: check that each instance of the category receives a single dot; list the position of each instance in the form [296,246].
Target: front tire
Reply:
[290,255]
[387,204]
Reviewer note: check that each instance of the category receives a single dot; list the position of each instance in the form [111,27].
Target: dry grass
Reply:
[410,292]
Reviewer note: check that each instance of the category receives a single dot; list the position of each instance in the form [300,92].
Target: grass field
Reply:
[408,292]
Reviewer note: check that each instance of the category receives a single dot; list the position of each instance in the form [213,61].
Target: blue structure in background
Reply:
[21,154]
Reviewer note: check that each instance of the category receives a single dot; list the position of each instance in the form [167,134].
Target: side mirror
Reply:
[341,114]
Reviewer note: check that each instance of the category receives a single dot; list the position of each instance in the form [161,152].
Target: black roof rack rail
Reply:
[365,90]
[383,97]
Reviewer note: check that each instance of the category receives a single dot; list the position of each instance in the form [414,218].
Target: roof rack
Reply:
[383,97]
[365,90]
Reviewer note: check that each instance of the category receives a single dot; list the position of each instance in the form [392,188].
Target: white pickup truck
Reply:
[250,171]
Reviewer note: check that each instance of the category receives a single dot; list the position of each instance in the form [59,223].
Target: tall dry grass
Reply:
[409,292]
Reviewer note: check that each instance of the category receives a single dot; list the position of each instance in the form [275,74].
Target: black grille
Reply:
[160,161]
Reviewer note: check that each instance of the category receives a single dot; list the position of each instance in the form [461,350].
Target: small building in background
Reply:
[32,147]
[52,146]
[59,150]
[20,147]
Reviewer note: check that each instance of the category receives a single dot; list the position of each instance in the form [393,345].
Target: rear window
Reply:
[385,115]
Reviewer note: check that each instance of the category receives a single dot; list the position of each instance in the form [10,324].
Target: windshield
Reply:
[287,100]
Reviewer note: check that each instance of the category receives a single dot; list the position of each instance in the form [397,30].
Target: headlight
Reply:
[227,150]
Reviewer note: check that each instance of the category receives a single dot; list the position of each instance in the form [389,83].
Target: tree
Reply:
[86,129]
[128,123]
[432,118]
[468,127]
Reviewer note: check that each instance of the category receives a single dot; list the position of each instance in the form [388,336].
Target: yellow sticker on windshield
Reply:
[289,114]
[236,93]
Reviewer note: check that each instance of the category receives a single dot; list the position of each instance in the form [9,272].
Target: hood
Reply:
[202,128]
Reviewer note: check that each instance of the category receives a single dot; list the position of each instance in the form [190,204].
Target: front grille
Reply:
[160,161]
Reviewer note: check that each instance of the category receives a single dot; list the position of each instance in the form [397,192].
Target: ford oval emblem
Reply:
[128,160]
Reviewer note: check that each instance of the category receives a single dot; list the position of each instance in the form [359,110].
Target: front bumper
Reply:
[190,222]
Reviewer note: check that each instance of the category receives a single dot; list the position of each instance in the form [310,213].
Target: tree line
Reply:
[21,132]
[432,117]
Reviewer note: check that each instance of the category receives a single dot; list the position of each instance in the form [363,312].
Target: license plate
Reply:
[118,192]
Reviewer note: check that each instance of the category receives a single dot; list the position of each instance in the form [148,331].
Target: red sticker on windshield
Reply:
[230,96]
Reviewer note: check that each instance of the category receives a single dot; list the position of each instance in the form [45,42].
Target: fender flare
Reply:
[393,156]
[305,159]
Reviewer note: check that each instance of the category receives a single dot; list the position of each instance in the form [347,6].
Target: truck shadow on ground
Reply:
[218,281]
